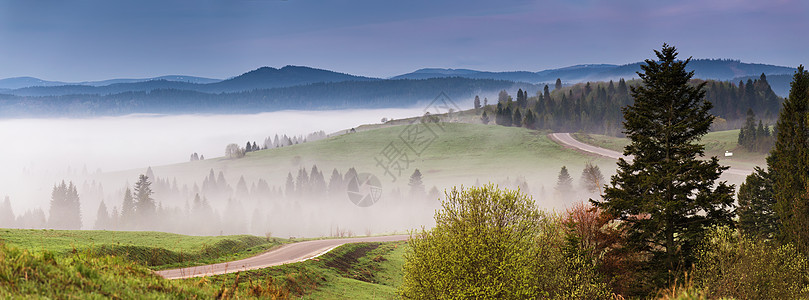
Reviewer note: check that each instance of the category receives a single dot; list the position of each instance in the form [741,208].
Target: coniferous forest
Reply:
[595,107]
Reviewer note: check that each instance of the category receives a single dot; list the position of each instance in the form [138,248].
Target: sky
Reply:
[99,39]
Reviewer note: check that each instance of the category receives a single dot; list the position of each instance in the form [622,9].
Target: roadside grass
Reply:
[716,143]
[82,275]
[351,271]
[355,271]
[376,275]
[158,250]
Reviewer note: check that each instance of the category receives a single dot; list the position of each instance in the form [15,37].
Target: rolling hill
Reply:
[460,154]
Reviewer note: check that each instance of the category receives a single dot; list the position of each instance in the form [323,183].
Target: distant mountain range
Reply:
[316,96]
[261,78]
[298,87]
[23,82]
[716,69]
[267,78]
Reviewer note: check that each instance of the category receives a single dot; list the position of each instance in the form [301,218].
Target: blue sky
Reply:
[93,40]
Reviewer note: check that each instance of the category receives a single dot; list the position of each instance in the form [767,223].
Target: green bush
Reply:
[494,244]
[742,267]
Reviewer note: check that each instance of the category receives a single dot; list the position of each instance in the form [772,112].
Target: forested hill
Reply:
[716,69]
[315,96]
[595,107]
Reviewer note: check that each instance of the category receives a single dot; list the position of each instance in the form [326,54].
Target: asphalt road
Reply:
[288,253]
[566,140]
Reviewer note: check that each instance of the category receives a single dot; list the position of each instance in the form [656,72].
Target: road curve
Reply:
[565,139]
[288,253]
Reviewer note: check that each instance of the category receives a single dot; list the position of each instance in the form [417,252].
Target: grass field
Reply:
[155,249]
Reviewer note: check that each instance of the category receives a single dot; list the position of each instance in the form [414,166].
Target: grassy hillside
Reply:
[156,249]
[459,154]
[716,143]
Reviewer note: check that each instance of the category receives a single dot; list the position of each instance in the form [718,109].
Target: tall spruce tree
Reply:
[416,185]
[564,183]
[290,186]
[6,214]
[756,204]
[127,209]
[102,217]
[144,204]
[789,164]
[667,197]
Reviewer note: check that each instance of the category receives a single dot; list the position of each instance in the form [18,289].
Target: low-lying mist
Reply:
[280,192]
[39,153]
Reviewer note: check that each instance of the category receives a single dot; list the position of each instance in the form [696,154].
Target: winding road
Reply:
[565,139]
[285,254]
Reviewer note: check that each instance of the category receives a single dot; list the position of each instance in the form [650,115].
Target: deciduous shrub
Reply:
[738,266]
[494,244]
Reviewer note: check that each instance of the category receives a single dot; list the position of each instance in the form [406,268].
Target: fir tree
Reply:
[416,185]
[302,182]
[145,206]
[517,118]
[336,184]
[477,102]
[789,164]
[290,185]
[102,217]
[522,99]
[756,204]
[667,197]
[484,118]
[128,207]
[6,214]
[564,183]
[507,114]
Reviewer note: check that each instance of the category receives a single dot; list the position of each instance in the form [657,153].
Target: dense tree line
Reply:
[595,107]
[65,210]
